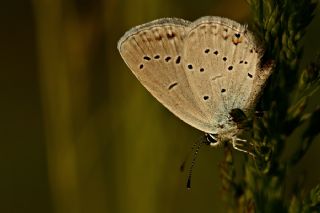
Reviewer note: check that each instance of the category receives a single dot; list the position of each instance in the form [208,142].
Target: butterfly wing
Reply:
[222,67]
[153,51]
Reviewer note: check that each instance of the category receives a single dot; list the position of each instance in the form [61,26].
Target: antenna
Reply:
[192,163]
[183,164]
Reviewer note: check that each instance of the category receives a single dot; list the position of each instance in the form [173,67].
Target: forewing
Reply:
[153,52]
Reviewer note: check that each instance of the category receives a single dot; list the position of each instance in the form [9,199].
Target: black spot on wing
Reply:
[167,59]
[147,58]
[178,59]
[172,85]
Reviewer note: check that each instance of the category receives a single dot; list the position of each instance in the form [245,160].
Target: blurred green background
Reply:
[78,131]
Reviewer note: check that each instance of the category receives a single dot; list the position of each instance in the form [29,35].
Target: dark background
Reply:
[78,131]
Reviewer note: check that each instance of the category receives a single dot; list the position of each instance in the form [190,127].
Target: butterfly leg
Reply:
[238,145]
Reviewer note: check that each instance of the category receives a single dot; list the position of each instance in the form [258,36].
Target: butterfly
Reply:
[201,71]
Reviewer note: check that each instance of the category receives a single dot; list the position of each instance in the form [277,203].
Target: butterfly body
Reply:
[199,70]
